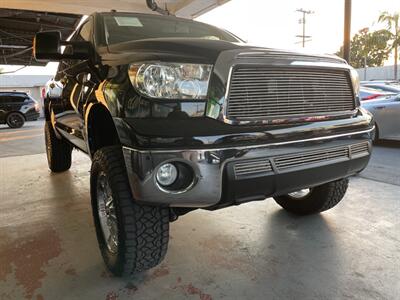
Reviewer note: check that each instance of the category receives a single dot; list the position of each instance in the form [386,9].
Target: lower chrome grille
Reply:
[261,166]
[252,166]
[296,160]
[260,93]
[360,149]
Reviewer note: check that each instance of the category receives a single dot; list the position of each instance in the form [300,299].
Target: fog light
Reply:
[167,174]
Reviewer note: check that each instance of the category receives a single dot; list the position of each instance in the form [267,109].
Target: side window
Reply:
[85,33]
[377,88]
[17,99]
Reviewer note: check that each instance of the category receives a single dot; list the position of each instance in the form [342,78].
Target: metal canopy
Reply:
[18,27]
[182,8]
[20,20]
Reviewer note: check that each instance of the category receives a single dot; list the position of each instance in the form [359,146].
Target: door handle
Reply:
[380,107]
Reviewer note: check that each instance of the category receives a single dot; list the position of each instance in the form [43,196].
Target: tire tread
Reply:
[145,228]
[320,199]
[59,154]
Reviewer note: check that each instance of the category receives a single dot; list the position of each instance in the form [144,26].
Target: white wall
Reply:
[382,73]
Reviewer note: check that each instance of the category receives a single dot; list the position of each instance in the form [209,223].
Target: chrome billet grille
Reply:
[270,93]
[261,166]
[252,166]
[318,156]
[285,55]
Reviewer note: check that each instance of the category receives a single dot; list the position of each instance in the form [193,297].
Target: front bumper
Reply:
[32,115]
[235,175]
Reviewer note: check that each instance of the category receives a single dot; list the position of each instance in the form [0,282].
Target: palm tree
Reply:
[393,25]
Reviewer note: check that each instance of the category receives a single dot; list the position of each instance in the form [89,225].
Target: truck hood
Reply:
[193,50]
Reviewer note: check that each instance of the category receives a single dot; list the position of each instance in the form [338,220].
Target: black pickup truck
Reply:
[178,115]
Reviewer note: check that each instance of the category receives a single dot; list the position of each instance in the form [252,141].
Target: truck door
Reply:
[70,120]
[392,118]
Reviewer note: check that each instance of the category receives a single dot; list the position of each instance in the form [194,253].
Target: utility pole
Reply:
[303,21]
[347,30]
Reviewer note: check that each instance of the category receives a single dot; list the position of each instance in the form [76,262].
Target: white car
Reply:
[386,113]
[53,89]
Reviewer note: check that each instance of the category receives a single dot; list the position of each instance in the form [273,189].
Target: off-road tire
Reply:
[319,199]
[59,152]
[375,135]
[12,123]
[143,230]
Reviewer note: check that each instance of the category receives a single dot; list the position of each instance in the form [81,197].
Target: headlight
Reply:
[355,80]
[171,80]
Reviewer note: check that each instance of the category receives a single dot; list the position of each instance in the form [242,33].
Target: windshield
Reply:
[129,27]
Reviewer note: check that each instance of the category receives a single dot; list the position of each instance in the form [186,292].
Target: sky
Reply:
[276,23]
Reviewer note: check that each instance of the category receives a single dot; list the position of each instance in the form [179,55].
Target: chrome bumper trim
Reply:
[209,165]
[255,146]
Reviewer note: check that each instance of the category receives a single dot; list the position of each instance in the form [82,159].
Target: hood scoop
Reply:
[286,55]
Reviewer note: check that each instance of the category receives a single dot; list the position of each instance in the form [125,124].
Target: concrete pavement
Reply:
[23,141]
[48,248]
[385,163]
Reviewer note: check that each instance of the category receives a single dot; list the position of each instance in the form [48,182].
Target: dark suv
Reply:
[178,115]
[16,108]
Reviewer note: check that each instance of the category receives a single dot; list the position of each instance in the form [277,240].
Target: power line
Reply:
[14,71]
[303,22]
[16,53]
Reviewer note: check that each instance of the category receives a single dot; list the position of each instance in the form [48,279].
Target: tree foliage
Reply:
[393,27]
[369,49]
[393,30]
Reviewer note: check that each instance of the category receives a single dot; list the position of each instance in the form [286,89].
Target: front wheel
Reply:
[314,200]
[375,134]
[132,237]
[15,120]
[59,152]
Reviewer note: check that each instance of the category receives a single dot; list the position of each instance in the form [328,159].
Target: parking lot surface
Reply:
[48,248]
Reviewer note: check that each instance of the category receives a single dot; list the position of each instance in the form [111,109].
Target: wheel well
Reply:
[15,112]
[46,108]
[376,130]
[101,129]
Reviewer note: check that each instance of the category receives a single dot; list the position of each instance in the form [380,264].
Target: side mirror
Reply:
[47,46]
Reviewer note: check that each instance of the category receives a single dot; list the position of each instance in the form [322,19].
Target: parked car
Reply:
[367,93]
[53,89]
[16,108]
[178,115]
[381,81]
[383,87]
[386,112]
